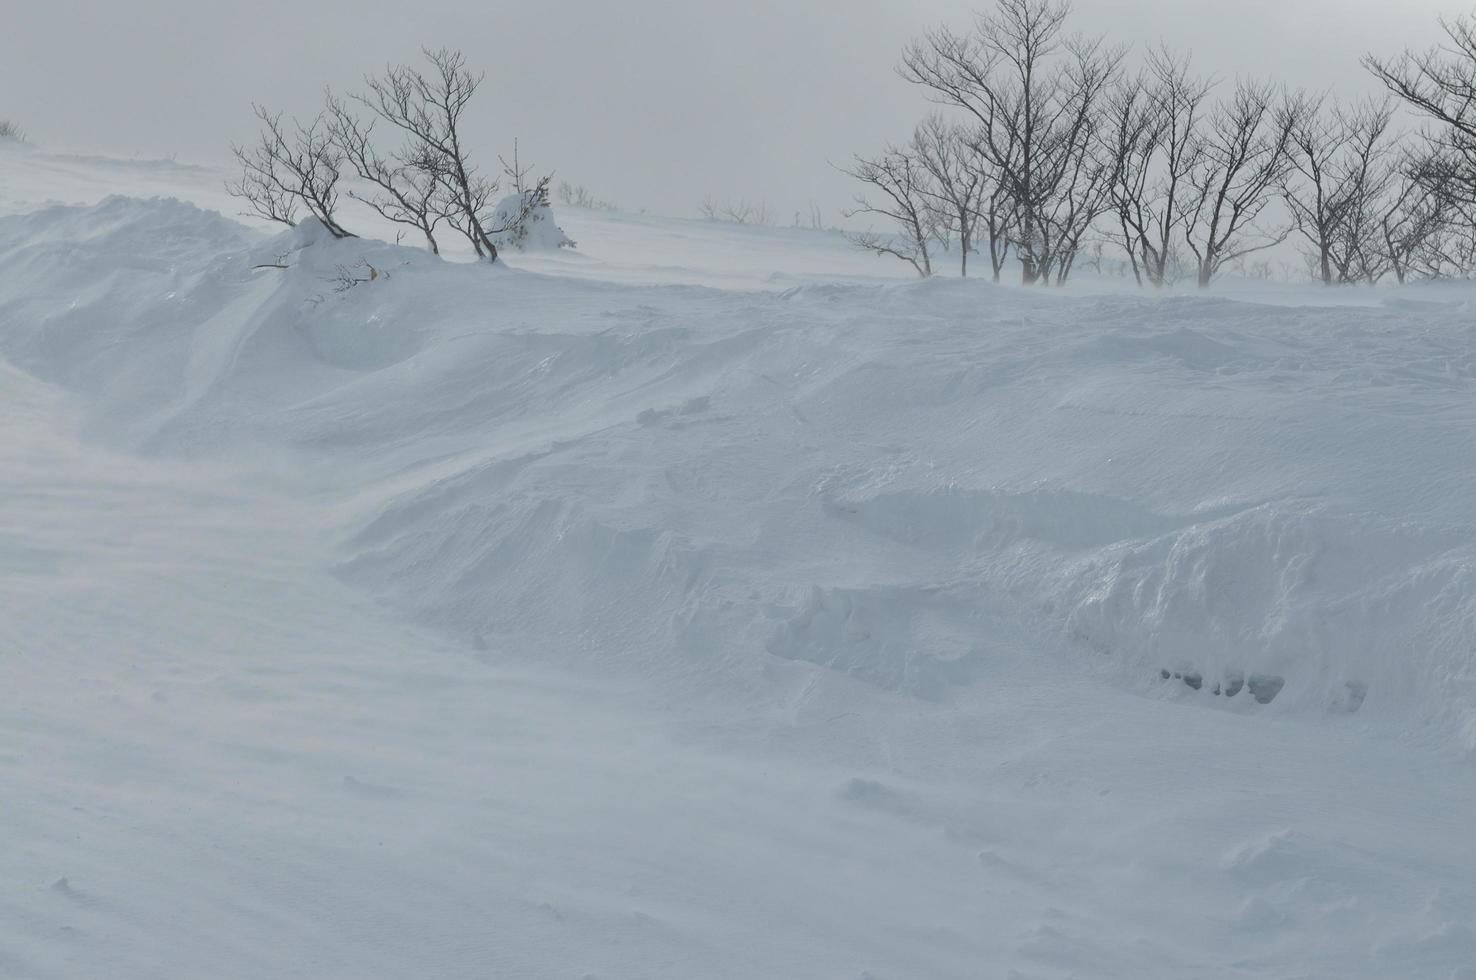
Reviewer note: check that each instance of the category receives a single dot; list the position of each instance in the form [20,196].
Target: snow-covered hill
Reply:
[695,605]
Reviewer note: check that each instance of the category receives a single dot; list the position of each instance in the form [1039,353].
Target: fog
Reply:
[650,103]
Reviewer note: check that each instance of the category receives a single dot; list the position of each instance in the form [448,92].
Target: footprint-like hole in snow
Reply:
[1262,687]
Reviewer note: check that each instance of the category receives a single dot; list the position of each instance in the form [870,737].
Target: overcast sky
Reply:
[652,103]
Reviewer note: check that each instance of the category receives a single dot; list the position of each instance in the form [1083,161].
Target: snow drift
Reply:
[558,627]
[913,485]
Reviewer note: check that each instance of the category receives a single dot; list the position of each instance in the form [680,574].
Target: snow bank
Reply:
[1226,504]
[1061,634]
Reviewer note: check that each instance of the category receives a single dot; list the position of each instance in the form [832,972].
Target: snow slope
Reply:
[640,613]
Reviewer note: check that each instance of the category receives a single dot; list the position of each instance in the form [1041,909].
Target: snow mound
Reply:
[535,232]
[910,486]
[1328,605]
[1071,635]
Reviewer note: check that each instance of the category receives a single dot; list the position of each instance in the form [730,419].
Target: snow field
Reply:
[583,618]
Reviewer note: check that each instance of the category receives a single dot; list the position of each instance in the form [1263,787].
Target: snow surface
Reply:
[706,604]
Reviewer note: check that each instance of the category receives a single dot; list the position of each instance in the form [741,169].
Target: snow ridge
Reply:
[879,480]
[551,625]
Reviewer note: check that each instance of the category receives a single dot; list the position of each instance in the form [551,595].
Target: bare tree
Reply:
[285,170]
[1317,199]
[996,220]
[579,196]
[1035,95]
[1152,141]
[900,183]
[742,212]
[1452,253]
[519,174]
[1440,83]
[1081,192]
[1371,174]
[958,184]
[407,184]
[1241,157]
[1412,221]
[1130,138]
[814,219]
[1334,186]
[428,107]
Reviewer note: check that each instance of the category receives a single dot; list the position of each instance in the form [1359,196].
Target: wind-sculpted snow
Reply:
[886,481]
[550,626]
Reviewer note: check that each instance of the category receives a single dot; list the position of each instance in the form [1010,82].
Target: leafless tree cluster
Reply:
[895,182]
[427,180]
[11,130]
[403,187]
[1022,166]
[1338,189]
[813,219]
[740,212]
[1431,227]
[579,196]
[1052,148]
[1151,136]
[290,168]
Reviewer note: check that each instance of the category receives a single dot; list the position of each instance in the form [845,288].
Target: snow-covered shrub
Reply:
[10,131]
[526,222]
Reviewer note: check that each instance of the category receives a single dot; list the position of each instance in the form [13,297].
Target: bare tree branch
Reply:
[901,183]
[1035,95]
[428,108]
[1241,157]
[286,170]
[1152,140]
[406,184]
[958,188]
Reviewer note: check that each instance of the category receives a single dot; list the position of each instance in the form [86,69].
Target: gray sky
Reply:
[652,103]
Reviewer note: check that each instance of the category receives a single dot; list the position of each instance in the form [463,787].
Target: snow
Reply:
[537,231]
[708,603]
